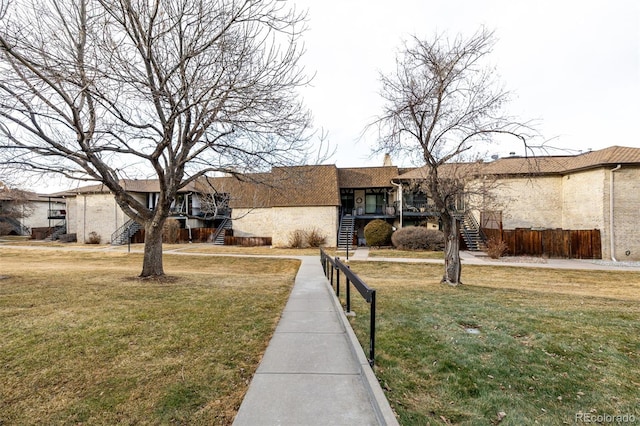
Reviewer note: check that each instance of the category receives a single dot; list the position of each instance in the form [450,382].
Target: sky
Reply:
[572,66]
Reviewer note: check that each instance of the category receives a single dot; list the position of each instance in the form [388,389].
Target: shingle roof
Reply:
[541,165]
[320,185]
[305,186]
[131,185]
[283,187]
[367,177]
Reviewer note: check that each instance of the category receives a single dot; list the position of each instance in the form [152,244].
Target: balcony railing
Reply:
[56,214]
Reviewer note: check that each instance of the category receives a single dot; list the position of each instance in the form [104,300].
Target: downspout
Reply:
[186,209]
[399,185]
[611,236]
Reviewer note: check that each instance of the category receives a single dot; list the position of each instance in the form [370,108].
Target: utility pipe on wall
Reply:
[611,235]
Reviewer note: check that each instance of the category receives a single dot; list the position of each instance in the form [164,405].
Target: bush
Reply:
[296,239]
[496,248]
[378,233]
[418,238]
[310,238]
[315,238]
[94,238]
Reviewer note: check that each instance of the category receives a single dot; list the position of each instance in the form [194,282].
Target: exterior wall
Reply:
[279,222]
[534,202]
[72,214]
[288,219]
[626,206]
[359,194]
[584,200]
[39,217]
[97,213]
[252,222]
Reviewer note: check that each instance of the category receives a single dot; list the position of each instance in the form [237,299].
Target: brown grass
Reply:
[86,342]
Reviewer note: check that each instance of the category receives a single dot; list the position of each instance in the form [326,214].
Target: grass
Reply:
[410,254]
[85,342]
[551,343]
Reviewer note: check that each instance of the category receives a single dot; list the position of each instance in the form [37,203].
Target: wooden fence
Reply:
[204,235]
[558,243]
[230,240]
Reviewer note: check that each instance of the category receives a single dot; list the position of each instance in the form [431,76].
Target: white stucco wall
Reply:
[531,202]
[279,222]
[97,213]
[583,200]
[252,222]
[288,219]
[626,210]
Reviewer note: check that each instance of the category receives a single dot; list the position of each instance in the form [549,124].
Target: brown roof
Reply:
[305,186]
[540,165]
[246,191]
[131,185]
[320,185]
[367,177]
[283,187]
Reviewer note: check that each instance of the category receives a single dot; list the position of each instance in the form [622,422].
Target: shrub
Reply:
[296,239]
[378,233]
[496,248]
[418,238]
[315,238]
[94,238]
[170,231]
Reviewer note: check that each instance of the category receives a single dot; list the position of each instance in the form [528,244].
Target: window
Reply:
[374,203]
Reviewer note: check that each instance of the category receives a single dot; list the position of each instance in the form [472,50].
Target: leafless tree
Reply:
[442,102]
[103,90]
[15,204]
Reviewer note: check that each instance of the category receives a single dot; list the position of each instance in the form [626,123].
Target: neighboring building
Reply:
[39,212]
[595,190]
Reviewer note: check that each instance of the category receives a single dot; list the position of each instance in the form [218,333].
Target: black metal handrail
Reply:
[330,265]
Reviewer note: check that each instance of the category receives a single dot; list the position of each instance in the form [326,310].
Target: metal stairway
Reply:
[121,235]
[218,237]
[345,234]
[471,232]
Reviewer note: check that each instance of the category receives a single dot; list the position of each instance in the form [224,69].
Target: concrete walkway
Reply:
[314,371]
[480,258]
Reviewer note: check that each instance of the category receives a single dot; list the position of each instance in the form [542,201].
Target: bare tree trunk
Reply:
[152,262]
[452,264]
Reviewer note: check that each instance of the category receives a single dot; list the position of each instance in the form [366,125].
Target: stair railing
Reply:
[125,230]
[219,229]
[476,226]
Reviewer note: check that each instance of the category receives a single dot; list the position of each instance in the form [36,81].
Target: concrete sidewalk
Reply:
[314,371]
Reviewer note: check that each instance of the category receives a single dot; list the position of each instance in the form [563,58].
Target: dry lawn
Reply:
[550,343]
[86,342]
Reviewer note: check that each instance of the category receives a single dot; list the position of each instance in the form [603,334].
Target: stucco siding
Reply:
[288,219]
[530,202]
[72,214]
[583,200]
[252,222]
[279,222]
[626,210]
[98,213]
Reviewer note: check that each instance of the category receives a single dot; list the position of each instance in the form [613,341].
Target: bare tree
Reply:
[103,90]
[441,103]
[15,205]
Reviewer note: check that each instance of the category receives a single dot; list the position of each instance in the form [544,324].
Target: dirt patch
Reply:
[162,279]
